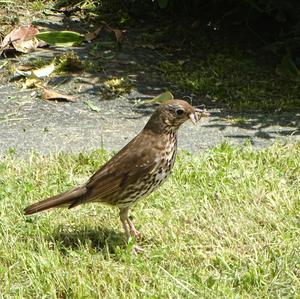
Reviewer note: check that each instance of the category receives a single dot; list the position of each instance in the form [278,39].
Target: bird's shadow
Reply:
[66,238]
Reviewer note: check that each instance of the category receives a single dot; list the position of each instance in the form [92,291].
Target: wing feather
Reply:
[133,162]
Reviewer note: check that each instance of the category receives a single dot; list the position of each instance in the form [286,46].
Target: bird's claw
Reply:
[135,233]
[137,249]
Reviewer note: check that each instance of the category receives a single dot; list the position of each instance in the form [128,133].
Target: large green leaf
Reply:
[166,96]
[61,38]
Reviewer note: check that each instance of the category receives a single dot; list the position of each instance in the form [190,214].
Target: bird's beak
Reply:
[195,116]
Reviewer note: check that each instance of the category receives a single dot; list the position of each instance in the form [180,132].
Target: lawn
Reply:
[225,225]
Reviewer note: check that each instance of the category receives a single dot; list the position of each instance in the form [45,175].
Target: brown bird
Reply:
[136,170]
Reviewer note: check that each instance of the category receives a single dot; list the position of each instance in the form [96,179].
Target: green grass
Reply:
[225,225]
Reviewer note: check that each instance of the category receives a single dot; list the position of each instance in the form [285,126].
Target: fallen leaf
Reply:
[92,35]
[40,73]
[22,39]
[44,71]
[52,95]
[61,38]
[161,98]
[42,44]
[25,67]
[21,33]
[23,73]
[119,34]
[92,106]
[26,46]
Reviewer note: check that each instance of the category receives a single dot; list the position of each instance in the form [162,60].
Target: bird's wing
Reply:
[134,161]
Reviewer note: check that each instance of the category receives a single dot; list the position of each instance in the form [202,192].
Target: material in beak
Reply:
[195,116]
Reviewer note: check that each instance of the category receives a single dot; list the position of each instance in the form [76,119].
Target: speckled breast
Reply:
[147,184]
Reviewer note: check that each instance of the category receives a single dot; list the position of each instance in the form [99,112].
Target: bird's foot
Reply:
[137,249]
[135,233]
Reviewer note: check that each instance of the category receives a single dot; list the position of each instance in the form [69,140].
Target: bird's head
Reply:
[172,114]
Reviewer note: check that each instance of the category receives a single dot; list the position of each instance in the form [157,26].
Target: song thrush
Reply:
[136,170]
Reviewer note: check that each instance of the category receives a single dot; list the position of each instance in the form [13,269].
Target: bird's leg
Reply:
[133,231]
[123,217]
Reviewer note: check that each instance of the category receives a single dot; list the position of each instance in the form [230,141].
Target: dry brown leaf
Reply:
[18,36]
[26,46]
[23,73]
[40,73]
[42,44]
[25,67]
[52,95]
[119,34]
[44,71]
[92,35]
[23,32]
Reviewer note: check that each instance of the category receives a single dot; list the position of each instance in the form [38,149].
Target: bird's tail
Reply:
[67,199]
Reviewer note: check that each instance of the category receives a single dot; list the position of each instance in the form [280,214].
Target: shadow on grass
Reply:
[97,239]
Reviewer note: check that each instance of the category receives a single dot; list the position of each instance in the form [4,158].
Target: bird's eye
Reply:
[179,111]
